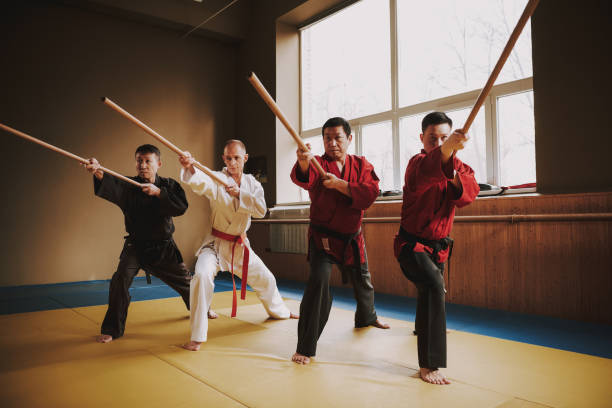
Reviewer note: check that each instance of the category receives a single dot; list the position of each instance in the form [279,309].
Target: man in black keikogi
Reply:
[149,245]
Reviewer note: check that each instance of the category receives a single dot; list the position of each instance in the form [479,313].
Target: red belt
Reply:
[237,239]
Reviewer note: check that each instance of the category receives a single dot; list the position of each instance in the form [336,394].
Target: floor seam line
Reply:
[82,315]
[196,378]
[500,392]
[533,402]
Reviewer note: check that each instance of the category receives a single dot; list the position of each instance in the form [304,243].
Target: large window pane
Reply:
[410,141]
[346,64]
[448,47]
[377,146]
[473,155]
[516,136]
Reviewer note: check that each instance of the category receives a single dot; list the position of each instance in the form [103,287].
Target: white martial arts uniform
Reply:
[232,216]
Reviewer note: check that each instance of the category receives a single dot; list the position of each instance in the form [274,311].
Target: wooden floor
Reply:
[50,359]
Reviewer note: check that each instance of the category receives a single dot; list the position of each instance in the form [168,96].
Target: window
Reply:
[516,137]
[377,140]
[446,47]
[345,69]
[383,65]
[473,154]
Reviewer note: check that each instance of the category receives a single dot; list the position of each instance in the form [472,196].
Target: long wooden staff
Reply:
[279,114]
[66,153]
[529,9]
[159,137]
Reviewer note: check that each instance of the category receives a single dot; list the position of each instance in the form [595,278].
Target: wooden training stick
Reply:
[529,9]
[274,107]
[66,153]
[159,137]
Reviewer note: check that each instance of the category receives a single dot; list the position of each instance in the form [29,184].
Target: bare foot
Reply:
[212,314]
[433,376]
[192,345]
[300,359]
[104,338]
[380,325]
[291,316]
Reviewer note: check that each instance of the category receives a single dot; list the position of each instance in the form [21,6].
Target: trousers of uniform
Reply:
[173,273]
[203,284]
[317,299]
[430,321]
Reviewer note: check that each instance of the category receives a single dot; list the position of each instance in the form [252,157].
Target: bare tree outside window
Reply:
[449,47]
[346,63]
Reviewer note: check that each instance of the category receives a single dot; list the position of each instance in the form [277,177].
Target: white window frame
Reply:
[449,103]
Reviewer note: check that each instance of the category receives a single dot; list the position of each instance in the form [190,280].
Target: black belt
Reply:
[347,239]
[436,245]
[143,243]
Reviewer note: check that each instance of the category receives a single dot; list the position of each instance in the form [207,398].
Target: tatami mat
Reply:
[49,358]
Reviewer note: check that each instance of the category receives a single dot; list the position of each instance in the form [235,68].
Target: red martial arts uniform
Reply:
[335,237]
[335,211]
[422,246]
[430,200]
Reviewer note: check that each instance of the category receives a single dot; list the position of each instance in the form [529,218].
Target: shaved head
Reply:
[234,157]
[232,142]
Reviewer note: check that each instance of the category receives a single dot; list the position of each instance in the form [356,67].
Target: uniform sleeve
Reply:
[252,200]
[427,170]
[111,189]
[172,200]
[306,181]
[470,188]
[200,183]
[365,191]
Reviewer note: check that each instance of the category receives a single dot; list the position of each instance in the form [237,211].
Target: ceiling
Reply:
[232,24]
[182,15]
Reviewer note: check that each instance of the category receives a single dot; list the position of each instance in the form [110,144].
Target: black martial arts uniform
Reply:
[149,244]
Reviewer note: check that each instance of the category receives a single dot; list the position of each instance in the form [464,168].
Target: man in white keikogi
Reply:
[231,211]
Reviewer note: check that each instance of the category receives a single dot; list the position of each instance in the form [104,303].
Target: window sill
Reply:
[298,205]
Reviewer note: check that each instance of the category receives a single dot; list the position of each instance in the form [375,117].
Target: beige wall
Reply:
[57,63]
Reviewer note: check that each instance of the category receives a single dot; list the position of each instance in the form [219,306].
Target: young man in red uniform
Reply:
[436,182]
[338,201]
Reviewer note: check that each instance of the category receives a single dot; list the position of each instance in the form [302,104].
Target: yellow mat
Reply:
[50,359]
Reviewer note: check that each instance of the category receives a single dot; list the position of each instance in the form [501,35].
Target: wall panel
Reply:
[554,268]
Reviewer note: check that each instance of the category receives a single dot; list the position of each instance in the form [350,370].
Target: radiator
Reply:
[289,238]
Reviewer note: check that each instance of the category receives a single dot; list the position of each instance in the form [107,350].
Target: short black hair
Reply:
[337,121]
[435,118]
[148,148]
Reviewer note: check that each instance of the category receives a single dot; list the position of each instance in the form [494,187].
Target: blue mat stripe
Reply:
[23,299]
[581,337]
